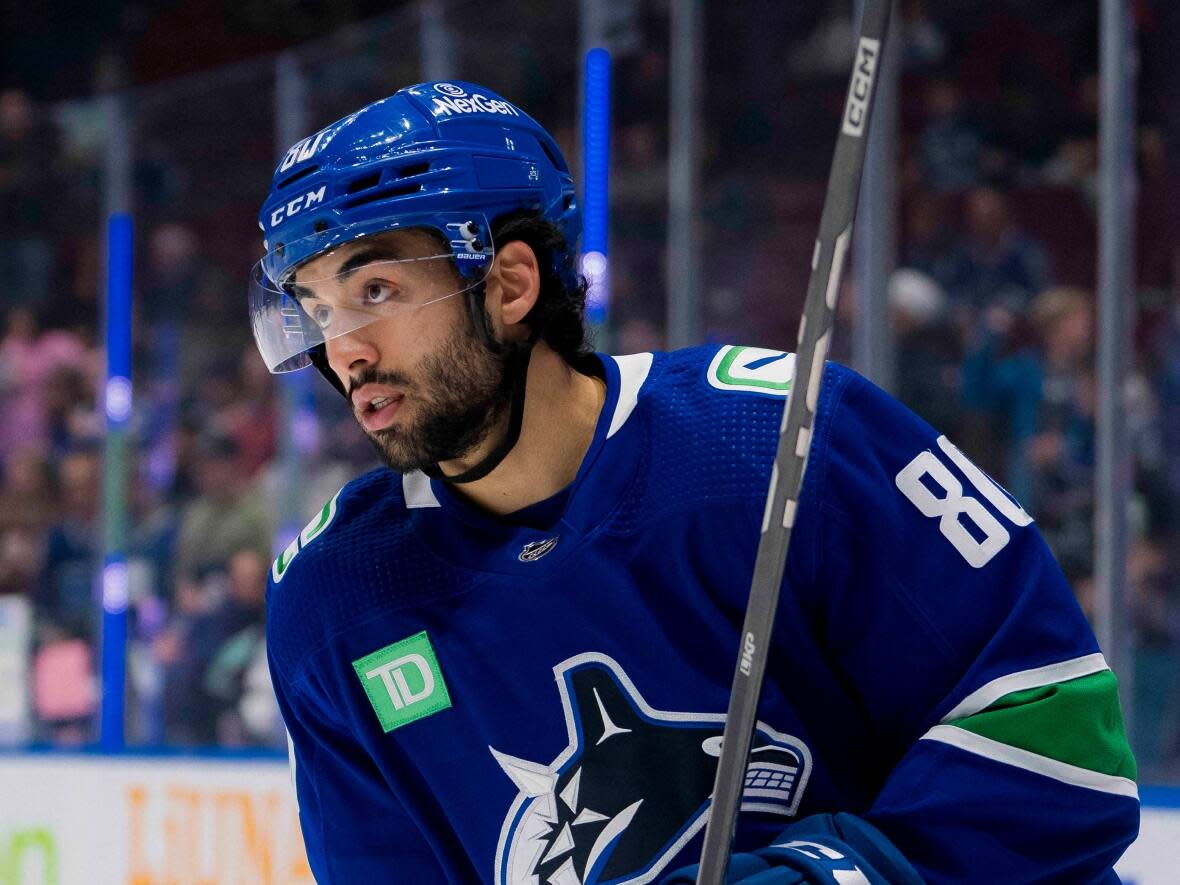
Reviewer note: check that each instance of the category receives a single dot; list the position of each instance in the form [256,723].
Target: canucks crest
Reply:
[631,788]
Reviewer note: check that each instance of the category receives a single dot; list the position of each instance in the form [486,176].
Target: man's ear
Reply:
[514,284]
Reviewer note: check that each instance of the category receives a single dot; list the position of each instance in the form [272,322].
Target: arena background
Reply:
[1021,207]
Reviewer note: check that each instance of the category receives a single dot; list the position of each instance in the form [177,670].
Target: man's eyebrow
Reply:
[369,255]
[387,252]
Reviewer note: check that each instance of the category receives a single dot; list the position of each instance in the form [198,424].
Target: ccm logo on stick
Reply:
[856,112]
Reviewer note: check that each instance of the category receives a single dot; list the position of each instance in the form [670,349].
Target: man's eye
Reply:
[322,315]
[378,293]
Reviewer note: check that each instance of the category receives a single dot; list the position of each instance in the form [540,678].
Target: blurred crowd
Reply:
[993,305]
[205,483]
[993,317]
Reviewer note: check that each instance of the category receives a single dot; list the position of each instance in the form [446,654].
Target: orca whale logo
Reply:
[631,788]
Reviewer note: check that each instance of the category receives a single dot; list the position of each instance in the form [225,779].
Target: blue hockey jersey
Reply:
[540,699]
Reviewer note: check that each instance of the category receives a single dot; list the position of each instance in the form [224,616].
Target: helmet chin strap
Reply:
[319,359]
[516,360]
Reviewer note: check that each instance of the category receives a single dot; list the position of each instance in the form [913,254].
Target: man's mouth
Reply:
[376,410]
[380,412]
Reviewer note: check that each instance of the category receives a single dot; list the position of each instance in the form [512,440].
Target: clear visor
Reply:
[351,283]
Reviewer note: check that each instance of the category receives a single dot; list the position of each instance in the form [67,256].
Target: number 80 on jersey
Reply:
[954,509]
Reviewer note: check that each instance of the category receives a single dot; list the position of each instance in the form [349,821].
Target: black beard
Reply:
[462,395]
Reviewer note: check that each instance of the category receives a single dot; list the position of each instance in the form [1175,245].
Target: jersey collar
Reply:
[463,535]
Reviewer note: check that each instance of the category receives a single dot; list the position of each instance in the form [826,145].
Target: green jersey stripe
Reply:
[984,697]
[1078,722]
[1009,755]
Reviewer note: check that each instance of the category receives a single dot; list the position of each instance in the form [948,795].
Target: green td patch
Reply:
[403,681]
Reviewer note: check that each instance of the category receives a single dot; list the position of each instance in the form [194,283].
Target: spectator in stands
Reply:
[20,394]
[65,603]
[1155,605]
[1001,396]
[187,318]
[171,278]
[28,150]
[71,409]
[929,237]
[1062,452]
[180,479]
[46,388]
[1064,321]
[925,43]
[1074,162]
[221,528]
[224,518]
[995,263]
[826,50]
[1157,224]
[251,415]
[66,595]
[21,556]
[927,352]
[950,149]
[155,525]
[27,498]
[209,340]
[1164,343]
[26,509]
[237,629]
[207,654]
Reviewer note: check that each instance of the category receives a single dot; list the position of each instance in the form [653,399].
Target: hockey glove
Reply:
[824,849]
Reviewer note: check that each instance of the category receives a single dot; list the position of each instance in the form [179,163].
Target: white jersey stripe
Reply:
[1018,758]
[984,697]
[633,370]
[417,491]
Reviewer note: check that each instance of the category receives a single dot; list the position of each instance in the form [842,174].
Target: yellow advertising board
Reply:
[74,819]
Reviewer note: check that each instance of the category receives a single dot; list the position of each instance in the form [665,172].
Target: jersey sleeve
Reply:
[354,828]
[939,602]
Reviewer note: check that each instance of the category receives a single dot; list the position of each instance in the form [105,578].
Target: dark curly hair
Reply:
[560,308]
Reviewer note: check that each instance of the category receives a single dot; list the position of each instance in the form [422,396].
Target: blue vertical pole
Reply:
[596,176]
[117,406]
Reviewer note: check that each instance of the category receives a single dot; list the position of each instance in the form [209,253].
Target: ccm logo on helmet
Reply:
[475,104]
[297,205]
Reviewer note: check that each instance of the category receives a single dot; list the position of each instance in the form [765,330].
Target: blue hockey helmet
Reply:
[450,157]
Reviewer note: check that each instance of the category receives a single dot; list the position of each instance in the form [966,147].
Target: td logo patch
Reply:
[753,370]
[403,681]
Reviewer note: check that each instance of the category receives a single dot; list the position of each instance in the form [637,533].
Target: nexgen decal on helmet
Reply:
[430,156]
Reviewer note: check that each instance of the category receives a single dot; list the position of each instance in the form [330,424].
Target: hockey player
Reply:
[505,657]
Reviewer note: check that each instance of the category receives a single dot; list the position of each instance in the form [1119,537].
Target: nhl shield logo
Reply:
[631,788]
[536,549]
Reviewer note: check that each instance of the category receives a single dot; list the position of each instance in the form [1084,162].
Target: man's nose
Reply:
[349,353]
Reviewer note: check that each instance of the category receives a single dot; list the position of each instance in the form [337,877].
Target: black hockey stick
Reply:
[786,479]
